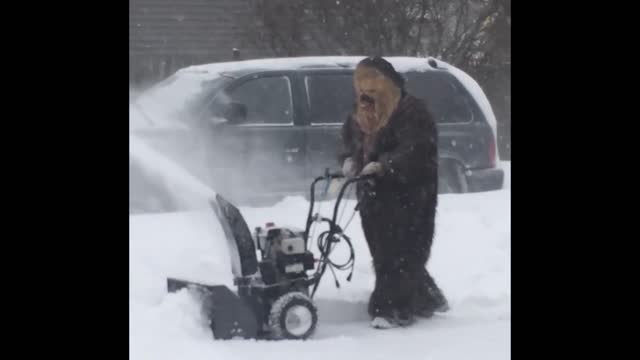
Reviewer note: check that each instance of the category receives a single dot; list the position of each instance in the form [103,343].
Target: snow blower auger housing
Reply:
[273,298]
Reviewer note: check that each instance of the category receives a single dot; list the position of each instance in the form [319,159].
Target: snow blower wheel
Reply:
[293,316]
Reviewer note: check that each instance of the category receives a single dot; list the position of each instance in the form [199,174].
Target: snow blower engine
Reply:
[274,295]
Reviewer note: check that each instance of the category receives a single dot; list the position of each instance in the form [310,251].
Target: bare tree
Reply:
[452,30]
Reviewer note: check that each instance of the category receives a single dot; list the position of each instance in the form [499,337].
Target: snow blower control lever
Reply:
[273,299]
[327,239]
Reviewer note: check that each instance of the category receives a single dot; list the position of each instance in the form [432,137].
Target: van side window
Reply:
[267,100]
[443,94]
[330,97]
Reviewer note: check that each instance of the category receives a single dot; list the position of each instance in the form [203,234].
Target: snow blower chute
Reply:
[274,294]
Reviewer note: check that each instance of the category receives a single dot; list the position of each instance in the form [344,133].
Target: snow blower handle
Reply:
[365,177]
[344,188]
[334,234]
[328,176]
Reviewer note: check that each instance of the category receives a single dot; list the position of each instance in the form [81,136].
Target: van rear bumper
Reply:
[485,179]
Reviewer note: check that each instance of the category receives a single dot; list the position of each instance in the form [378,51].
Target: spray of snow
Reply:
[189,190]
[164,163]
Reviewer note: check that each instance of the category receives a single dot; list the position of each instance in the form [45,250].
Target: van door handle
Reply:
[289,154]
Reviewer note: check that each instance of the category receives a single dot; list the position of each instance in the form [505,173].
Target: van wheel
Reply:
[453,180]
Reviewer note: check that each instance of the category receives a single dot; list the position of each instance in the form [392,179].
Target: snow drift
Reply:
[470,260]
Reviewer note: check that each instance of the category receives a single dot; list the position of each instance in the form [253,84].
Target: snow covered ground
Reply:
[471,262]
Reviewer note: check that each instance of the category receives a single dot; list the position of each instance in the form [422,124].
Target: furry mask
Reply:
[377,97]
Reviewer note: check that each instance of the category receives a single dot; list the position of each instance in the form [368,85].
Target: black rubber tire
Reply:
[278,316]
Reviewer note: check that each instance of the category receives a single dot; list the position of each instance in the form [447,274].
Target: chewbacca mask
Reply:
[378,89]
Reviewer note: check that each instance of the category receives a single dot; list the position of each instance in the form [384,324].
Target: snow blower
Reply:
[274,294]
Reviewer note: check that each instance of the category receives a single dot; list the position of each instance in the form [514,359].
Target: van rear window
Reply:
[443,94]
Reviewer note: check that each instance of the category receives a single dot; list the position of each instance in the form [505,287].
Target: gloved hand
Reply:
[334,186]
[372,168]
[349,168]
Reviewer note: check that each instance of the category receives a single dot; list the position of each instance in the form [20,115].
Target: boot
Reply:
[398,318]
[428,298]
[386,308]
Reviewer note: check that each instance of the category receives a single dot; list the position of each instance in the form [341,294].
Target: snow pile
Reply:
[470,260]
[403,64]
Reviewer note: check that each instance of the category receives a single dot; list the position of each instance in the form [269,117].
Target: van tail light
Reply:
[492,152]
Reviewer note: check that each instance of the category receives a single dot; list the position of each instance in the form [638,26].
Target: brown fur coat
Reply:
[398,209]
